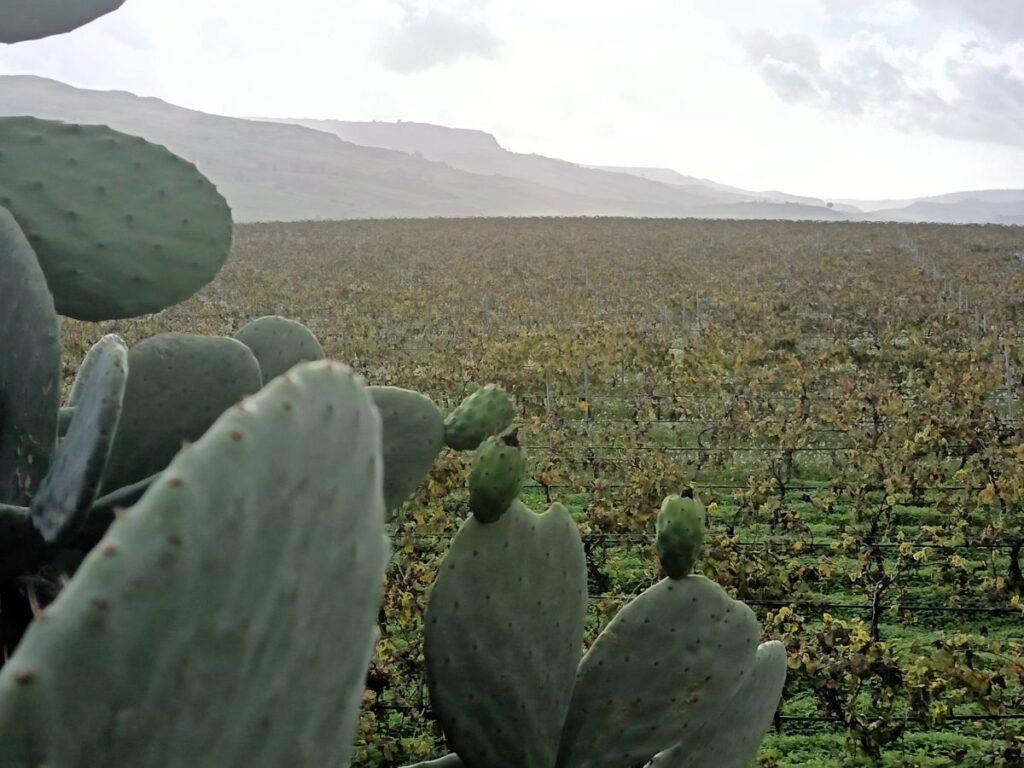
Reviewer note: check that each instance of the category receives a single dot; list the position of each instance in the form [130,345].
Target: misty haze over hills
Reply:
[277,169]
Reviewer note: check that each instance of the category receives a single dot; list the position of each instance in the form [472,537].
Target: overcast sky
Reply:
[836,98]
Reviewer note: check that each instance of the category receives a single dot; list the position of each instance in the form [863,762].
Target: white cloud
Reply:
[428,37]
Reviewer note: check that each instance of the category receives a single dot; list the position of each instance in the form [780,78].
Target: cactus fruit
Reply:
[486,412]
[121,227]
[29,367]
[503,634]
[177,387]
[680,535]
[499,469]
[229,617]
[22,20]
[732,739]
[279,344]
[666,664]
[413,429]
[69,488]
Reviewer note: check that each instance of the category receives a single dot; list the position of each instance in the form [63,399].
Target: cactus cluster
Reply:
[205,517]
[677,678]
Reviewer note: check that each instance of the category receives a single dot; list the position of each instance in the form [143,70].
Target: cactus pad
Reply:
[69,489]
[680,535]
[486,412]
[121,227]
[177,387]
[22,20]
[229,617]
[279,344]
[503,634]
[499,468]
[668,662]
[29,367]
[413,437]
[732,739]
[448,761]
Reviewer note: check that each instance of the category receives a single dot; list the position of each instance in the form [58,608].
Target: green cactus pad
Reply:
[503,634]
[121,227]
[279,344]
[486,412]
[413,437]
[668,662]
[70,488]
[680,537]
[499,469]
[22,20]
[177,387]
[29,367]
[448,761]
[21,546]
[227,619]
[732,739]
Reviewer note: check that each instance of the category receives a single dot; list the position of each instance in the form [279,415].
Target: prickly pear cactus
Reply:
[29,367]
[279,344]
[413,437]
[499,469]
[680,535]
[22,20]
[121,227]
[486,412]
[669,662]
[229,617]
[69,488]
[503,634]
[177,387]
[732,739]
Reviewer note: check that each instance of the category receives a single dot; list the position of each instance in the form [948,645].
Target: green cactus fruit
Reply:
[29,367]
[69,488]
[279,344]
[413,437]
[229,617]
[21,546]
[732,739]
[499,469]
[486,412]
[22,20]
[177,387]
[503,634]
[448,761]
[668,662]
[680,537]
[121,227]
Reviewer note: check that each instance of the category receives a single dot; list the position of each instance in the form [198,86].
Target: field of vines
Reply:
[844,397]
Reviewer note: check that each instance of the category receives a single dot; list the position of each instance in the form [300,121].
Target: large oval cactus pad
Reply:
[227,619]
[413,437]
[279,344]
[22,20]
[503,634]
[732,739]
[29,367]
[177,387]
[121,227]
[669,661]
[69,489]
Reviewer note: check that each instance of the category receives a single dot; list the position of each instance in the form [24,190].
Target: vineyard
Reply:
[844,397]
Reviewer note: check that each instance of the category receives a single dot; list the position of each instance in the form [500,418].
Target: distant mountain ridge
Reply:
[292,169]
